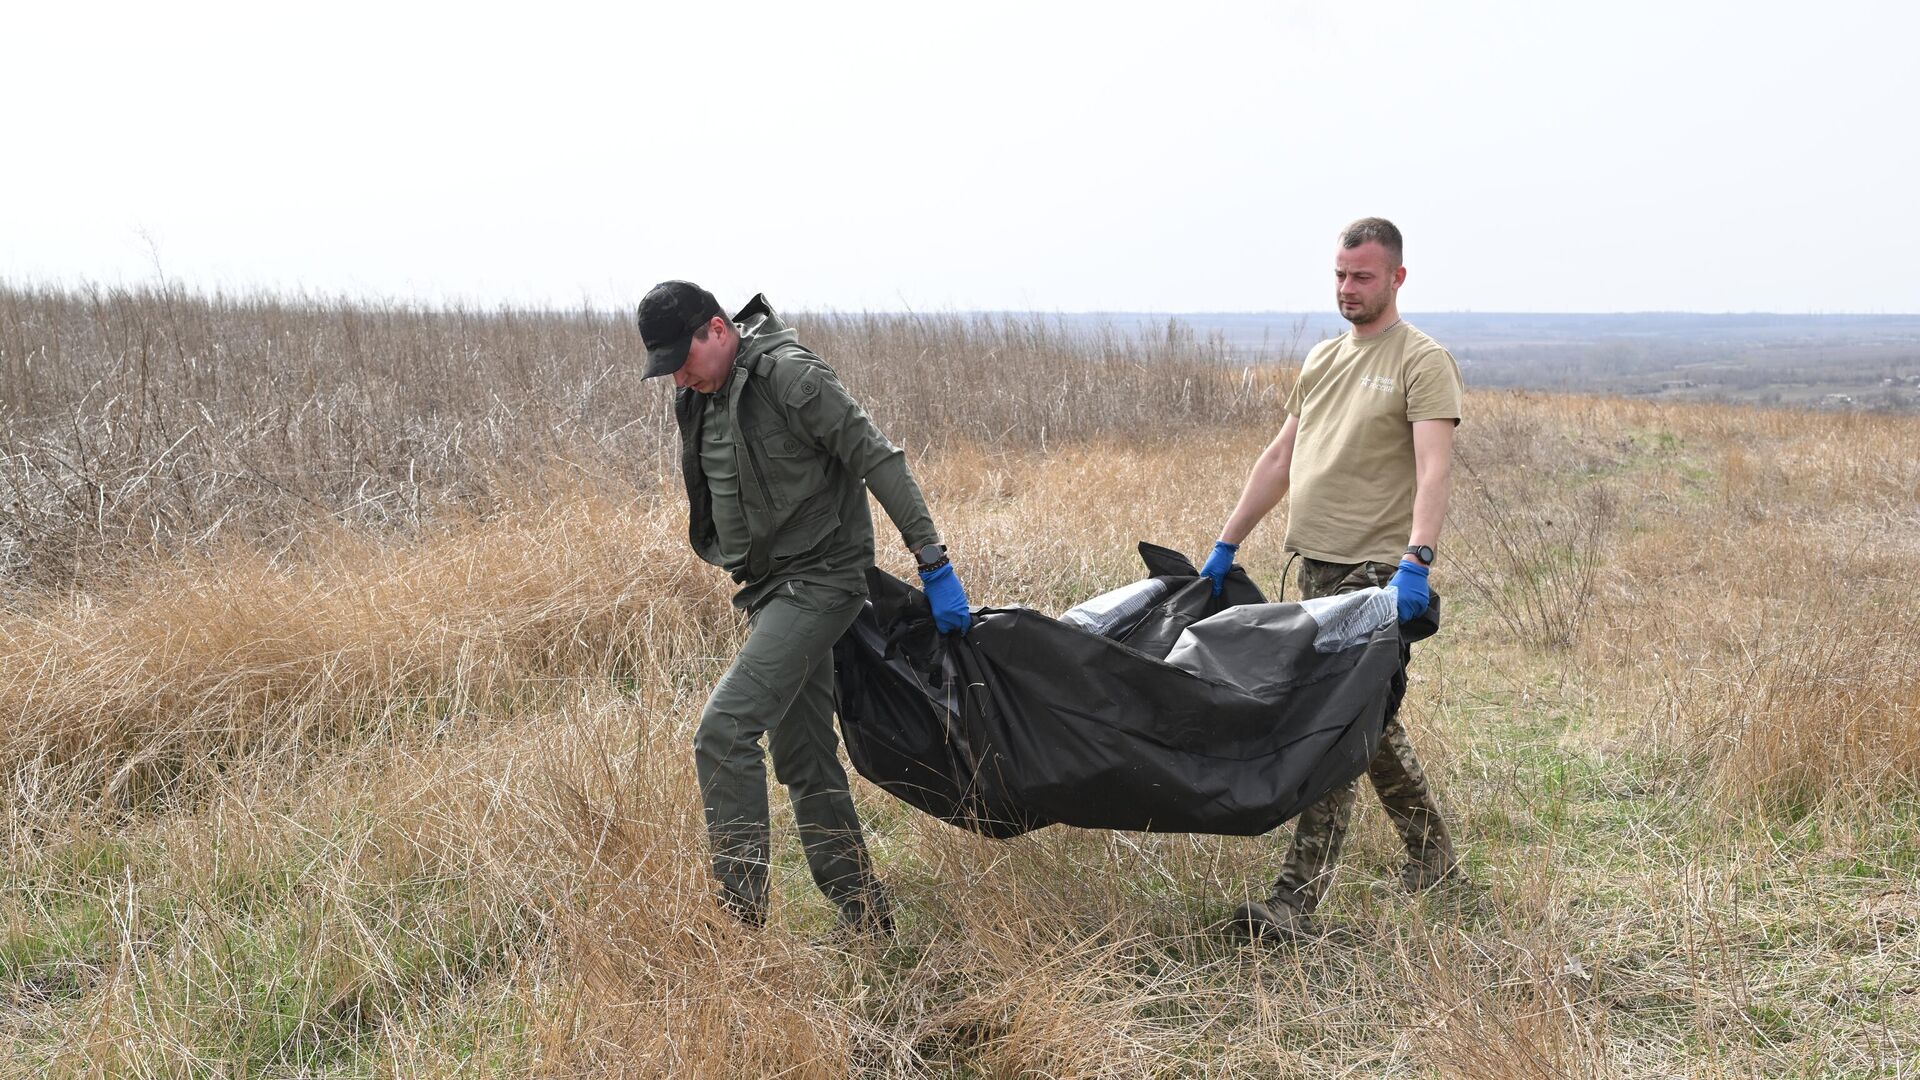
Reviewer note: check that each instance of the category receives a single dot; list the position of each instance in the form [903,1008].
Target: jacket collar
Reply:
[761,331]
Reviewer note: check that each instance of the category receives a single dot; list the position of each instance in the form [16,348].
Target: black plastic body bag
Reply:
[1027,721]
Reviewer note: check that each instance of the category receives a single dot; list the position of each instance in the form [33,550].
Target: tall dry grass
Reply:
[377,772]
[128,692]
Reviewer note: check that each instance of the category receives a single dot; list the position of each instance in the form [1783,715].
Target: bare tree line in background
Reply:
[158,420]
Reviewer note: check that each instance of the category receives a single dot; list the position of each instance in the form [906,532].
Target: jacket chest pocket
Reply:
[791,471]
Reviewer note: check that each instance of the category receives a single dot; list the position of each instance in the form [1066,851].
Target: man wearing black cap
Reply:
[778,460]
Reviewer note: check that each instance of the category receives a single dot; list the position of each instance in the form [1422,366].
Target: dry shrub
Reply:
[1048,530]
[1004,969]
[1826,710]
[1037,1002]
[150,421]
[153,420]
[127,692]
[1753,613]
[664,982]
[1029,380]
[293,924]
[1525,1012]
[1039,957]
[1048,960]
[1534,507]
[1530,545]
[1534,562]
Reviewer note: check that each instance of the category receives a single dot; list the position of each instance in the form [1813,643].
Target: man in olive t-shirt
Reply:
[1366,451]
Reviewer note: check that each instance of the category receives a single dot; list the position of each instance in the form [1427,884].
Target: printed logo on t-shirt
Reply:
[1382,383]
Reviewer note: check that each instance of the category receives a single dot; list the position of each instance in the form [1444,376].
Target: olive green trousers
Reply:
[781,686]
[1395,772]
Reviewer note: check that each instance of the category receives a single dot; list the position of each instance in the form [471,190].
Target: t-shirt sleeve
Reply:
[1302,382]
[1312,369]
[1434,387]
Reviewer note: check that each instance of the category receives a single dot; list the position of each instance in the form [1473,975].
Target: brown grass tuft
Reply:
[135,690]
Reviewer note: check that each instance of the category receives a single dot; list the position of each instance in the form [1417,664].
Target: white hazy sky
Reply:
[1599,156]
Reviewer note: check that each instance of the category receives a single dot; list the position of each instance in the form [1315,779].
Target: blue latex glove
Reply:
[1411,580]
[948,599]
[1218,564]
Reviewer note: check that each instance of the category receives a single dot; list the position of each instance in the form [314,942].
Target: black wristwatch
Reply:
[1423,552]
[931,557]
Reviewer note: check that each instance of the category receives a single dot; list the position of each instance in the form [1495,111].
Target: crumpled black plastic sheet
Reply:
[1197,714]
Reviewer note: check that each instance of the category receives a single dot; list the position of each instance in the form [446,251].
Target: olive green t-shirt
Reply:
[1352,478]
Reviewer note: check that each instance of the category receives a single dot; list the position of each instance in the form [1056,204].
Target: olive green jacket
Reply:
[807,455]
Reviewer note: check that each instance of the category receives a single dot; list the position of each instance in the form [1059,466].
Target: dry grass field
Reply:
[352,656]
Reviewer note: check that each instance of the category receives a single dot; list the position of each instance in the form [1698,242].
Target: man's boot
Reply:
[1273,920]
[747,912]
[869,913]
[1432,862]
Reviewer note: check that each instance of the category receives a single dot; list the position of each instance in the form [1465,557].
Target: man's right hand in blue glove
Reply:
[947,598]
[1218,564]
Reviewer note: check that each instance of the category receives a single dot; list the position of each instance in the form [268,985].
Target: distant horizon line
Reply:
[1437,311]
[470,303]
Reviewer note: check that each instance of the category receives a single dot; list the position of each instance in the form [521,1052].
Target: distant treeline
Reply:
[1826,361]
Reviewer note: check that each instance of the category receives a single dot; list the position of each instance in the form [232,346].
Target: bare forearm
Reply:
[1433,479]
[1266,486]
[1430,500]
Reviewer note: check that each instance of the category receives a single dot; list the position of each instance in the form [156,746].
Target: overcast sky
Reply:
[1052,157]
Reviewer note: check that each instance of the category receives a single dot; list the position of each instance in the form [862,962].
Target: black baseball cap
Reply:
[669,314]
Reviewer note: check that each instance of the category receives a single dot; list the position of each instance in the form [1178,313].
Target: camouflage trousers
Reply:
[1394,770]
[781,687]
